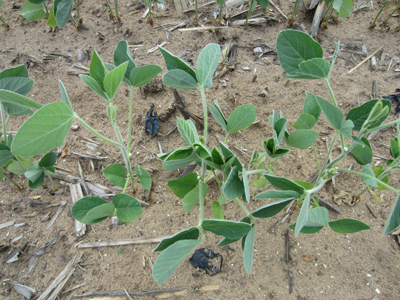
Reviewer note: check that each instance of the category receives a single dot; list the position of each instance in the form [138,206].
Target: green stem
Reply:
[381,126]
[92,130]
[372,25]
[216,178]
[249,12]
[220,15]
[116,12]
[45,7]
[275,161]
[330,91]
[327,157]
[52,183]
[3,122]
[77,10]
[226,138]
[201,185]
[370,177]
[130,120]
[126,183]
[245,210]
[316,158]
[13,182]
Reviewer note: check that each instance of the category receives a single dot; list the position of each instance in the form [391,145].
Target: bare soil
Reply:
[326,265]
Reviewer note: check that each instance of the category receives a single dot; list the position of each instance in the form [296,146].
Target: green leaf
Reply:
[394,148]
[343,7]
[179,158]
[304,184]
[10,97]
[317,217]
[260,183]
[116,173]
[307,229]
[113,79]
[304,121]
[44,130]
[5,156]
[34,173]
[170,259]
[393,221]
[316,68]
[144,177]
[187,234]
[217,211]
[62,10]
[181,186]
[188,131]
[233,187]
[121,55]
[207,63]
[362,153]
[202,151]
[368,170]
[1,173]
[52,22]
[143,75]
[180,80]
[272,194]
[346,128]
[378,171]
[128,208]
[218,114]
[311,106]
[228,154]
[19,166]
[192,198]
[91,210]
[348,226]
[242,117]
[295,47]
[359,115]
[228,229]
[97,70]
[48,160]
[94,86]
[226,241]
[18,71]
[248,249]
[38,183]
[64,95]
[263,3]
[33,12]
[284,184]
[303,215]
[173,62]
[333,114]
[270,210]
[19,85]
[302,138]
[246,195]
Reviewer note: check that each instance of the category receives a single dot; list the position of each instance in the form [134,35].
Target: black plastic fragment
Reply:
[151,124]
[395,97]
[207,260]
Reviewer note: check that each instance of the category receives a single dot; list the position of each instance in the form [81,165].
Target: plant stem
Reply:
[130,121]
[3,122]
[77,10]
[201,185]
[126,183]
[327,158]
[251,8]
[382,126]
[220,15]
[116,12]
[245,210]
[372,25]
[92,130]
[52,183]
[13,182]
[371,177]
[330,91]
[45,7]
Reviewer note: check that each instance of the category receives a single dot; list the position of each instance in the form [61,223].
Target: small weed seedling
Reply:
[301,58]
[389,7]
[47,128]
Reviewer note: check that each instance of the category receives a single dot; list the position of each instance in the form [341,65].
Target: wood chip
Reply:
[308,258]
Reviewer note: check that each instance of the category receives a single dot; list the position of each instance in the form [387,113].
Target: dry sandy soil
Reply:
[326,265]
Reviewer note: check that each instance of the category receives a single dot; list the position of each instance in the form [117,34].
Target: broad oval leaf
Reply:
[360,114]
[34,173]
[348,226]
[242,117]
[116,173]
[188,130]
[233,187]
[263,3]
[94,86]
[90,210]
[333,114]
[38,182]
[272,194]
[187,234]
[315,68]
[302,138]
[270,210]
[96,69]
[128,208]
[143,75]
[62,10]
[180,80]
[393,221]
[304,121]
[10,97]
[181,186]
[294,47]
[343,7]
[48,160]
[18,71]
[121,55]
[303,215]
[192,198]
[170,259]
[368,180]
[33,12]
[19,166]
[113,79]
[284,184]
[228,229]
[217,210]
[179,158]
[144,177]
[311,106]
[362,153]
[248,249]
[175,63]
[318,217]
[44,130]
[218,114]
[19,85]
[207,63]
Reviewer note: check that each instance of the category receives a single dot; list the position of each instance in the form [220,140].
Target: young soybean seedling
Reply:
[49,125]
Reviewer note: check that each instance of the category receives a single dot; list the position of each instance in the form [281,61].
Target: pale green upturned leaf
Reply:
[393,221]
[121,55]
[33,12]
[242,117]
[369,171]
[333,114]
[113,79]
[207,63]
[304,121]
[52,22]
[97,70]
[62,11]
[188,131]
[217,210]
[143,75]
[64,95]
[218,114]
[44,130]
[143,176]
[94,86]
[170,259]
[13,98]
[233,187]
[173,62]
[343,7]
[192,198]
[248,249]
[180,80]
[303,215]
